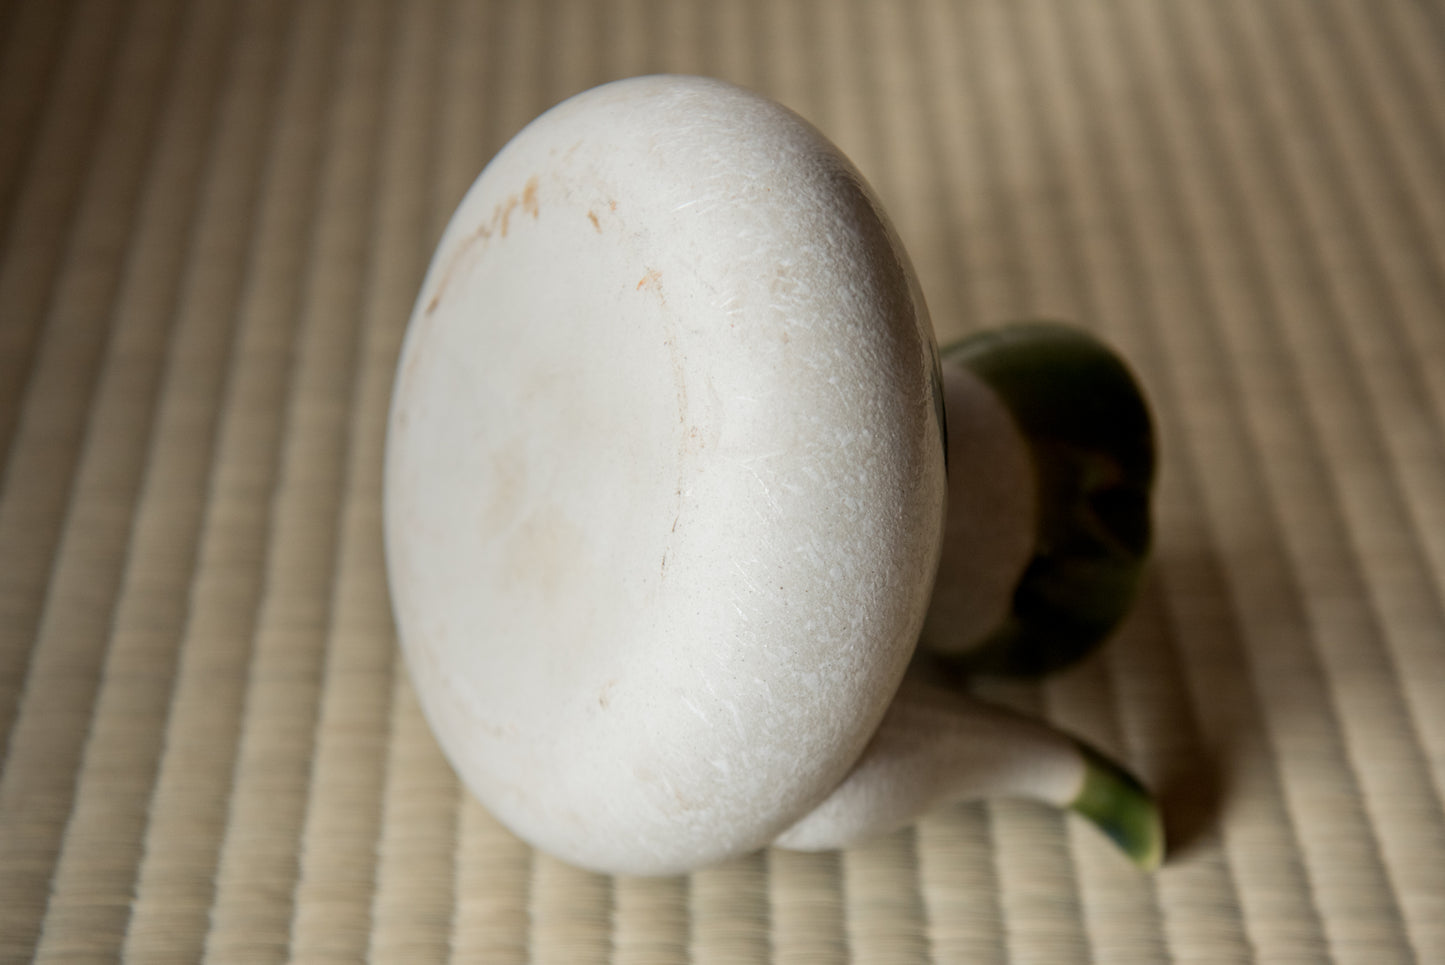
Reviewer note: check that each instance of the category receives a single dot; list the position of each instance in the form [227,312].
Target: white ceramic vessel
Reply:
[666,495]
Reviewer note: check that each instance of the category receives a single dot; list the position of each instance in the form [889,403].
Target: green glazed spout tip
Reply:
[1115,802]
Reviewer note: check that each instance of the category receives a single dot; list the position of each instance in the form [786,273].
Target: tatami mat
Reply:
[214,216]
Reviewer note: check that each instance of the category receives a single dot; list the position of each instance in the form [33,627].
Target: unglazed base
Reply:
[665,483]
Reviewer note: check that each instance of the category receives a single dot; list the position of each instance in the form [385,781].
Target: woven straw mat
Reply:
[214,217]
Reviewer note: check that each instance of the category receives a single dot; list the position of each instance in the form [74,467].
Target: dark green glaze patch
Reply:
[1092,444]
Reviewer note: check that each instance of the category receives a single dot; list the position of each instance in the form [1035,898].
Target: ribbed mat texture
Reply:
[214,217]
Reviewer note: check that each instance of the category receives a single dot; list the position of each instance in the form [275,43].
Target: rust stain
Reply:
[612,206]
[595,223]
[499,223]
[507,207]
[653,280]
[481,234]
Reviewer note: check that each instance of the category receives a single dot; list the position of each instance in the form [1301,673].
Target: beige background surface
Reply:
[213,218]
